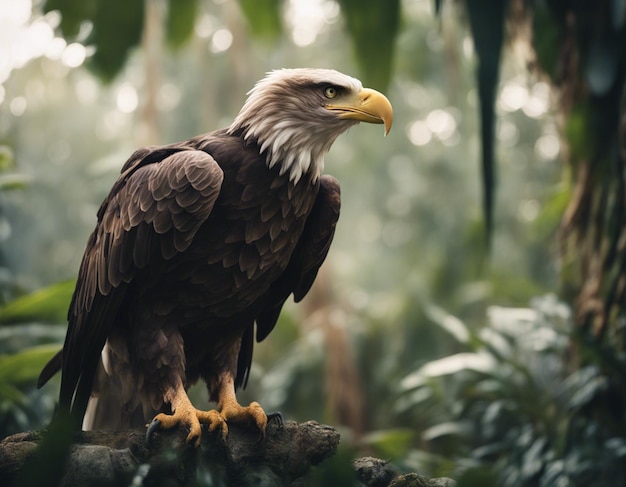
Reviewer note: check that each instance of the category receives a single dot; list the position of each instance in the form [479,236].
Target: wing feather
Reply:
[255,230]
[301,271]
[319,235]
[269,208]
[154,210]
[307,257]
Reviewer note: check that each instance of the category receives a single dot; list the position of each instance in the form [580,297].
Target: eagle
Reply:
[196,249]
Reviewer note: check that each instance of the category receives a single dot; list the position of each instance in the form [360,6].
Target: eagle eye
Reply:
[330,92]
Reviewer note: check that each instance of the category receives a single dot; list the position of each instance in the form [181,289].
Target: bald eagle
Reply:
[198,242]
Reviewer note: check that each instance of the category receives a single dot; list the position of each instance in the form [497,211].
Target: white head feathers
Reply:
[285,114]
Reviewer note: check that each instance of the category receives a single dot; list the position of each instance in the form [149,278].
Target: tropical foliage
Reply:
[524,97]
[509,402]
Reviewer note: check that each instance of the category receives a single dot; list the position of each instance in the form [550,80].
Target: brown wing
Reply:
[318,235]
[301,271]
[152,213]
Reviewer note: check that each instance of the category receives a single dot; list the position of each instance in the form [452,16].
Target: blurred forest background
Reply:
[469,321]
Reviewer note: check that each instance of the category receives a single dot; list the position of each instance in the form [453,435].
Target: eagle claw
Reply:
[276,417]
[187,415]
[154,425]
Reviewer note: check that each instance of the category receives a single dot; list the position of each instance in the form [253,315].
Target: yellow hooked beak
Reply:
[368,106]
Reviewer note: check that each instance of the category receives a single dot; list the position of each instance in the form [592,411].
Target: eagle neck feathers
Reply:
[287,146]
[285,118]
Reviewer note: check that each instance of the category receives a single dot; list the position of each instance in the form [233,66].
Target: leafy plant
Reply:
[513,403]
[48,305]
[27,342]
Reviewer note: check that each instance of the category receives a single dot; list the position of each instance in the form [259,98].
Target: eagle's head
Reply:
[295,115]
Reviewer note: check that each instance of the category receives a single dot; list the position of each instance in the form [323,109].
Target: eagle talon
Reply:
[276,417]
[252,415]
[185,415]
[154,425]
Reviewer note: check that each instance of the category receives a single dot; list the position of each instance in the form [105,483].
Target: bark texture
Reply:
[123,458]
[374,472]
[243,459]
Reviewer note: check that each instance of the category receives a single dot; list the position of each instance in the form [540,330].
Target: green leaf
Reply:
[450,323]
[373,26]
[481,362]
[264,17]
[117,28]
[180,21]
[24,367]
[448,428]
[11,394]
[14,181]
[553,210]
[546,38]
[487,20]
[73,14]
[579,132]
[48,304]
[392,443]
[7,158]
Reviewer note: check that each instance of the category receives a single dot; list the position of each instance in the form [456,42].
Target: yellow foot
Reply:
[188,416]
[253,414]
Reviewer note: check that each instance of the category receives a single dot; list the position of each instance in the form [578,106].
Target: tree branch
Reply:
[106,459]
[109,459]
